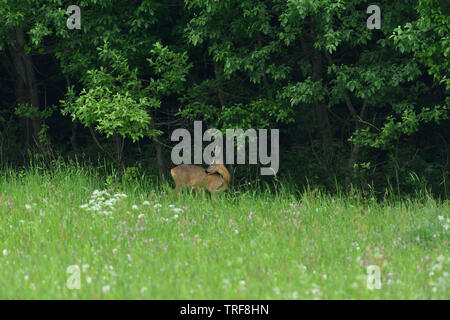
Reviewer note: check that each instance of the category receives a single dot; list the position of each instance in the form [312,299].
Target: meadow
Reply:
[130,239]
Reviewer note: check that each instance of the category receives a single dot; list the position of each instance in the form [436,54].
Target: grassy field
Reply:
[129,240]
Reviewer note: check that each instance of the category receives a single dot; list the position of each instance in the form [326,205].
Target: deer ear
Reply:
[217,151]
[217,155]
[211,169]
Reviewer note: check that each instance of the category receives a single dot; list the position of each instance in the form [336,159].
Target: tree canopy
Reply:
[354,105]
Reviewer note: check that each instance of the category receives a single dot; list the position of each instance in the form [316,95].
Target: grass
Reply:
[240,245]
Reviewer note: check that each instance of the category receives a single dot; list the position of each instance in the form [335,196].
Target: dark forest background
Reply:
[355,107]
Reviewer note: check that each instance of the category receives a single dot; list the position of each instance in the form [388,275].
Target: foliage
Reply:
[357,106]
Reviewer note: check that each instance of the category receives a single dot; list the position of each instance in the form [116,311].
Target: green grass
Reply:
[294,246]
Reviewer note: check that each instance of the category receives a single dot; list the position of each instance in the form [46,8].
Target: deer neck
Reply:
[224,173]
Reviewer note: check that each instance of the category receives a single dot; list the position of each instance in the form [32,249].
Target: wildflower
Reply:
[5,252]
[27,206]
[106,289]
[251,214]
[145,203]
[135,207]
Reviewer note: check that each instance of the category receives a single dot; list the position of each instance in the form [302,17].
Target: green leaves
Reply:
[171,67]
[113,99]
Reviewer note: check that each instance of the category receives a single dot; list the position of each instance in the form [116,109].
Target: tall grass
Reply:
[250,243]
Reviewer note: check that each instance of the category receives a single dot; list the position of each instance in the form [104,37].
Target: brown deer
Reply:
[214,179]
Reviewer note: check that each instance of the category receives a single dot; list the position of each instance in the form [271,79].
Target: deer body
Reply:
[214,179]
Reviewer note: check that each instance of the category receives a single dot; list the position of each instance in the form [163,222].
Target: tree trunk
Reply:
[162,168]
[321,111]
[160,157]
[119,143]
[25,85]
[73,137]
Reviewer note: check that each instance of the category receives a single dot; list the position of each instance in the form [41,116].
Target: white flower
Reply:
[88,279]
[143,289]
[178,210]
[441,218]
[105,289]
[135,207]
[26,277]
[115,250]
[158,205]
[436,267]
[175,216]
[27,206]
[5,252]
[120,195]
[145,203]
[85,267]
[141,216]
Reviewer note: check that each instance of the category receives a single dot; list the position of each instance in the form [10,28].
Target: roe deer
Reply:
[214,179]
